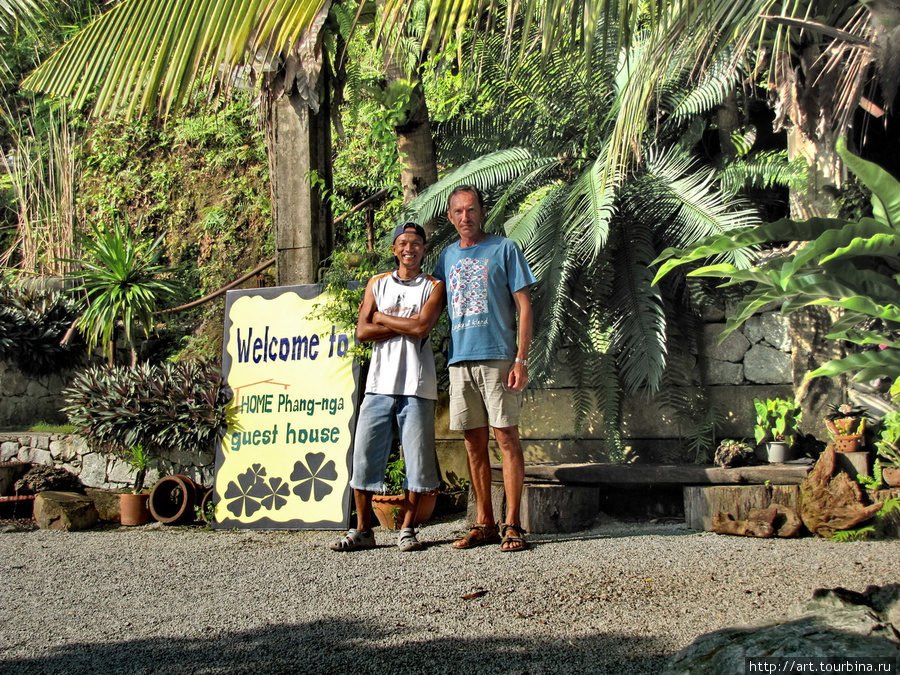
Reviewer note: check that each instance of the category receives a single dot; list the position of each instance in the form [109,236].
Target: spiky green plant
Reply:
[33,324]
[120,281]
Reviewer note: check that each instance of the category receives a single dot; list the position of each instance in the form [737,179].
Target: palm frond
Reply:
[762,170]
[484,173]
[640,327]
[13,12]
[590,209]
[696,208]
[146,54]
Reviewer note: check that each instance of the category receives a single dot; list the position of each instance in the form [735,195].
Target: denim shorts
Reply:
[479,395]
[375,433]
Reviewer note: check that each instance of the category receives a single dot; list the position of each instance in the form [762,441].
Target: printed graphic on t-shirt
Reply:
[468,288]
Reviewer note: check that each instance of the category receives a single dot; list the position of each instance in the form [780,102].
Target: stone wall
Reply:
[99,469]
[754,362]
[26,400]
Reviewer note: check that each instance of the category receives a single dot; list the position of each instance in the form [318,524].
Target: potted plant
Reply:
[888,447]
[847,425]
[390,507]
[777,420]
[133,505]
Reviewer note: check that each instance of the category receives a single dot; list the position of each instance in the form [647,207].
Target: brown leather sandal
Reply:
[479,534]
[516,540]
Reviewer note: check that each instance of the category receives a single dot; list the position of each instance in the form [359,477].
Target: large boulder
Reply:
[836,622]
[106,502]
[68,511]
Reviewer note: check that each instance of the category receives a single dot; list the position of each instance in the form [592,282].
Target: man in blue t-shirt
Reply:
[488,298]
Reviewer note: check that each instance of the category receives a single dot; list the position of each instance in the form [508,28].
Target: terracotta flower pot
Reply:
[848,443]
[891,475]
[390,509]
[134,510]
[173,498]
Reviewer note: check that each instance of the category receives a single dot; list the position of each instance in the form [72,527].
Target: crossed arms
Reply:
[374,326]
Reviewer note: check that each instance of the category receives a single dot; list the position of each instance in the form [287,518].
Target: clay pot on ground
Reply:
[390,509]
[133,509]
[778,452]
[173,498]
[891,475]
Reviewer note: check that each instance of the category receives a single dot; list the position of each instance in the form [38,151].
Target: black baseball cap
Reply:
[409,226]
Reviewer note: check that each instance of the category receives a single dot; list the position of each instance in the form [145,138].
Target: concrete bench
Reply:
[560,498]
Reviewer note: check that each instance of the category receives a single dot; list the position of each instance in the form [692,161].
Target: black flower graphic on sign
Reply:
[245,493]
[314,478]
[277,491]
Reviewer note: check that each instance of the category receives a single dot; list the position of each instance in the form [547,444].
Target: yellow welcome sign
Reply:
[284,463]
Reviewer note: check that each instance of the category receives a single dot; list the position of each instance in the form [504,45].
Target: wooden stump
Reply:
[853,463]
[774,521]
[547,508]
[701,504]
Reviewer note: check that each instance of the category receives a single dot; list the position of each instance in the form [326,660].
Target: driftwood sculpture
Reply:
[830,500]
[775,521]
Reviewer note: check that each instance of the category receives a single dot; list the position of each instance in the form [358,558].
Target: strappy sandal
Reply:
[516,540]
[408,540]
[354,540]
[479,534]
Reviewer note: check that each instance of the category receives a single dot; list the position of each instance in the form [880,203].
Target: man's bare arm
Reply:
[366,331]
[518,374]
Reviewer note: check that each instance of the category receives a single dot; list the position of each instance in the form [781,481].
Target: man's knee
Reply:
[508,439]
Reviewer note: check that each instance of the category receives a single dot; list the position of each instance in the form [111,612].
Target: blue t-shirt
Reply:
[481,280]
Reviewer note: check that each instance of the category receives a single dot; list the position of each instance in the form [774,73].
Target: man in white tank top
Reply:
[398,312]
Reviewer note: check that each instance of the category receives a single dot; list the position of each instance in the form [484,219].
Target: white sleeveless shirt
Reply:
[402,365]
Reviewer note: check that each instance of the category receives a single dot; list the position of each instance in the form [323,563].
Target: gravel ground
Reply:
[618,598]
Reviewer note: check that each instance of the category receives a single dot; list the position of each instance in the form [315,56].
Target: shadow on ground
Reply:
[345,646]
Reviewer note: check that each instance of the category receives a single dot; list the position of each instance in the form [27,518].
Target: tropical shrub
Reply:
[591,241]
[120,281]
[180,406]
[33,325]
[846,265]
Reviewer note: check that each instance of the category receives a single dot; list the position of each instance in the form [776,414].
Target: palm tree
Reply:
[820,61]
[591,250]
[146,55]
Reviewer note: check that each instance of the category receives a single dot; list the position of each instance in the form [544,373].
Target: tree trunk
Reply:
[818,197]
[415,143]
[300,160]
[728,120]
[810,136]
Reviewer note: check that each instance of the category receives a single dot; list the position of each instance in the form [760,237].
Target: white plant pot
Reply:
[779,452]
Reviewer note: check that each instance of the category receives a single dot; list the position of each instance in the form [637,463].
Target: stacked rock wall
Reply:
[100,469]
